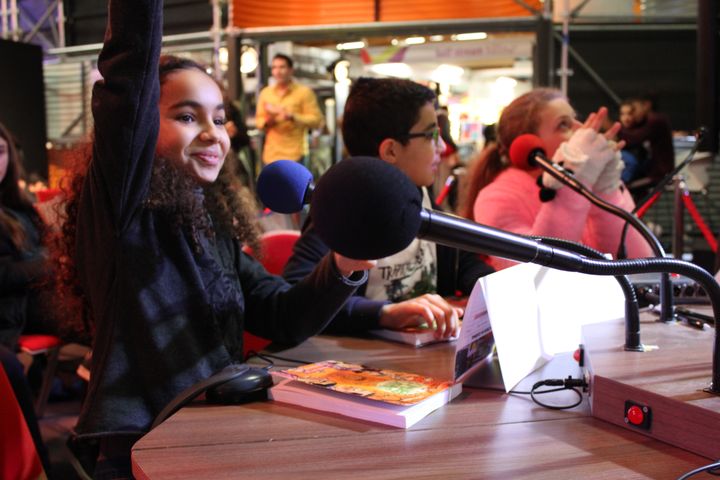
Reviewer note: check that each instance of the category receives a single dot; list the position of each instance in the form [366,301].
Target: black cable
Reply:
[711,468]
[564,384]
[267,357]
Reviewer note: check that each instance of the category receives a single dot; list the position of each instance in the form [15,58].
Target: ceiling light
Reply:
[414,40]
[351,45]
[223,56]
[248,60]
[470,36]
[436,38]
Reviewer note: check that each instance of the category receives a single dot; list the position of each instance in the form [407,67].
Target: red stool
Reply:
[277,247]
[18,457]
[50,346]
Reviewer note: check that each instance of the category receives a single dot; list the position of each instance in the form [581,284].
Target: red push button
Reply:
[579,355]
[635,415]
[638,415]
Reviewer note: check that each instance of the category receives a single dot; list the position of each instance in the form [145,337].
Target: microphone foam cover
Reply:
[281,186]
[365,208]
[523,150]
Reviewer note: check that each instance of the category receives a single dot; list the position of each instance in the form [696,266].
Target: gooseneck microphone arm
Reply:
[666,301]
[567,179]
[460,233]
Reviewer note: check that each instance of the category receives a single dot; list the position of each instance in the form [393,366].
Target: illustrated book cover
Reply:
[398,399]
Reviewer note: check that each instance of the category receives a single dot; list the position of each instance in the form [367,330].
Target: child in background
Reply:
[153,242]
[22,267]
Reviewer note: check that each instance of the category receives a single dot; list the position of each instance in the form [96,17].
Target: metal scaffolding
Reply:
[41,21]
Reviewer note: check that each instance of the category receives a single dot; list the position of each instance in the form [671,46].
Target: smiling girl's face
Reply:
[192,124]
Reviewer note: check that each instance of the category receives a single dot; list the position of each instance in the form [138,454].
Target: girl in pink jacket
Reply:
[532,203]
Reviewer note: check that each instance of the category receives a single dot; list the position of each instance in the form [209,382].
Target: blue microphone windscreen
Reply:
[365,208]
[282,185]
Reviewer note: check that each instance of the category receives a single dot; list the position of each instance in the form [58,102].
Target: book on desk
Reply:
[398,399]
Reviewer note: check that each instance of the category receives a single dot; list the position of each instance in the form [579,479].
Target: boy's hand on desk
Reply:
[430,309]
[346,266]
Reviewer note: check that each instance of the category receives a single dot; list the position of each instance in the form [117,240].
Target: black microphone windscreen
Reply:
[282,186]
[523,150]
[365,208]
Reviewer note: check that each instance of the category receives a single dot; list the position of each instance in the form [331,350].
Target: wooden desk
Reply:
[481,434]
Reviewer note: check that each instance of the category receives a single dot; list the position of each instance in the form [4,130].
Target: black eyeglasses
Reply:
[433,135]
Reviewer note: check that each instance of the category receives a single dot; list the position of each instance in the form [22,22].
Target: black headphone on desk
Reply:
[234,384]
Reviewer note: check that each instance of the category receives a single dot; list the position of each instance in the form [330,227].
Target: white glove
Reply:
[609,179]
[586,154]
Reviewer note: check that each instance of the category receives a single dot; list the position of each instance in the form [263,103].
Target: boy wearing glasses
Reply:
[395,120]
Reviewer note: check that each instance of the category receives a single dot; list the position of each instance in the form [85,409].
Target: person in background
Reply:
[396,121]
[652,130]
[634,155]
[449,161]
[242,154]
[153,243]
[489,135]
[285,112]
[507,197]
[22,268]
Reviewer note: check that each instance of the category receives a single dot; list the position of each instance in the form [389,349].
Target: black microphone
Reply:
[360,197]
[365,208]
[528,151]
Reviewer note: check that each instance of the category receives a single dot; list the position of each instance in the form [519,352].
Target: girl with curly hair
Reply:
[154,241]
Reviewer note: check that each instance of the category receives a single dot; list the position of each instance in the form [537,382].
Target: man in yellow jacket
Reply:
[285,111]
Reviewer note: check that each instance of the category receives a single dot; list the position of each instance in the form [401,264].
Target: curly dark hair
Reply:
[229,204]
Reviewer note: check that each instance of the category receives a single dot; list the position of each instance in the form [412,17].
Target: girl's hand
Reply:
[586,153]
[346,266]
[596,120]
